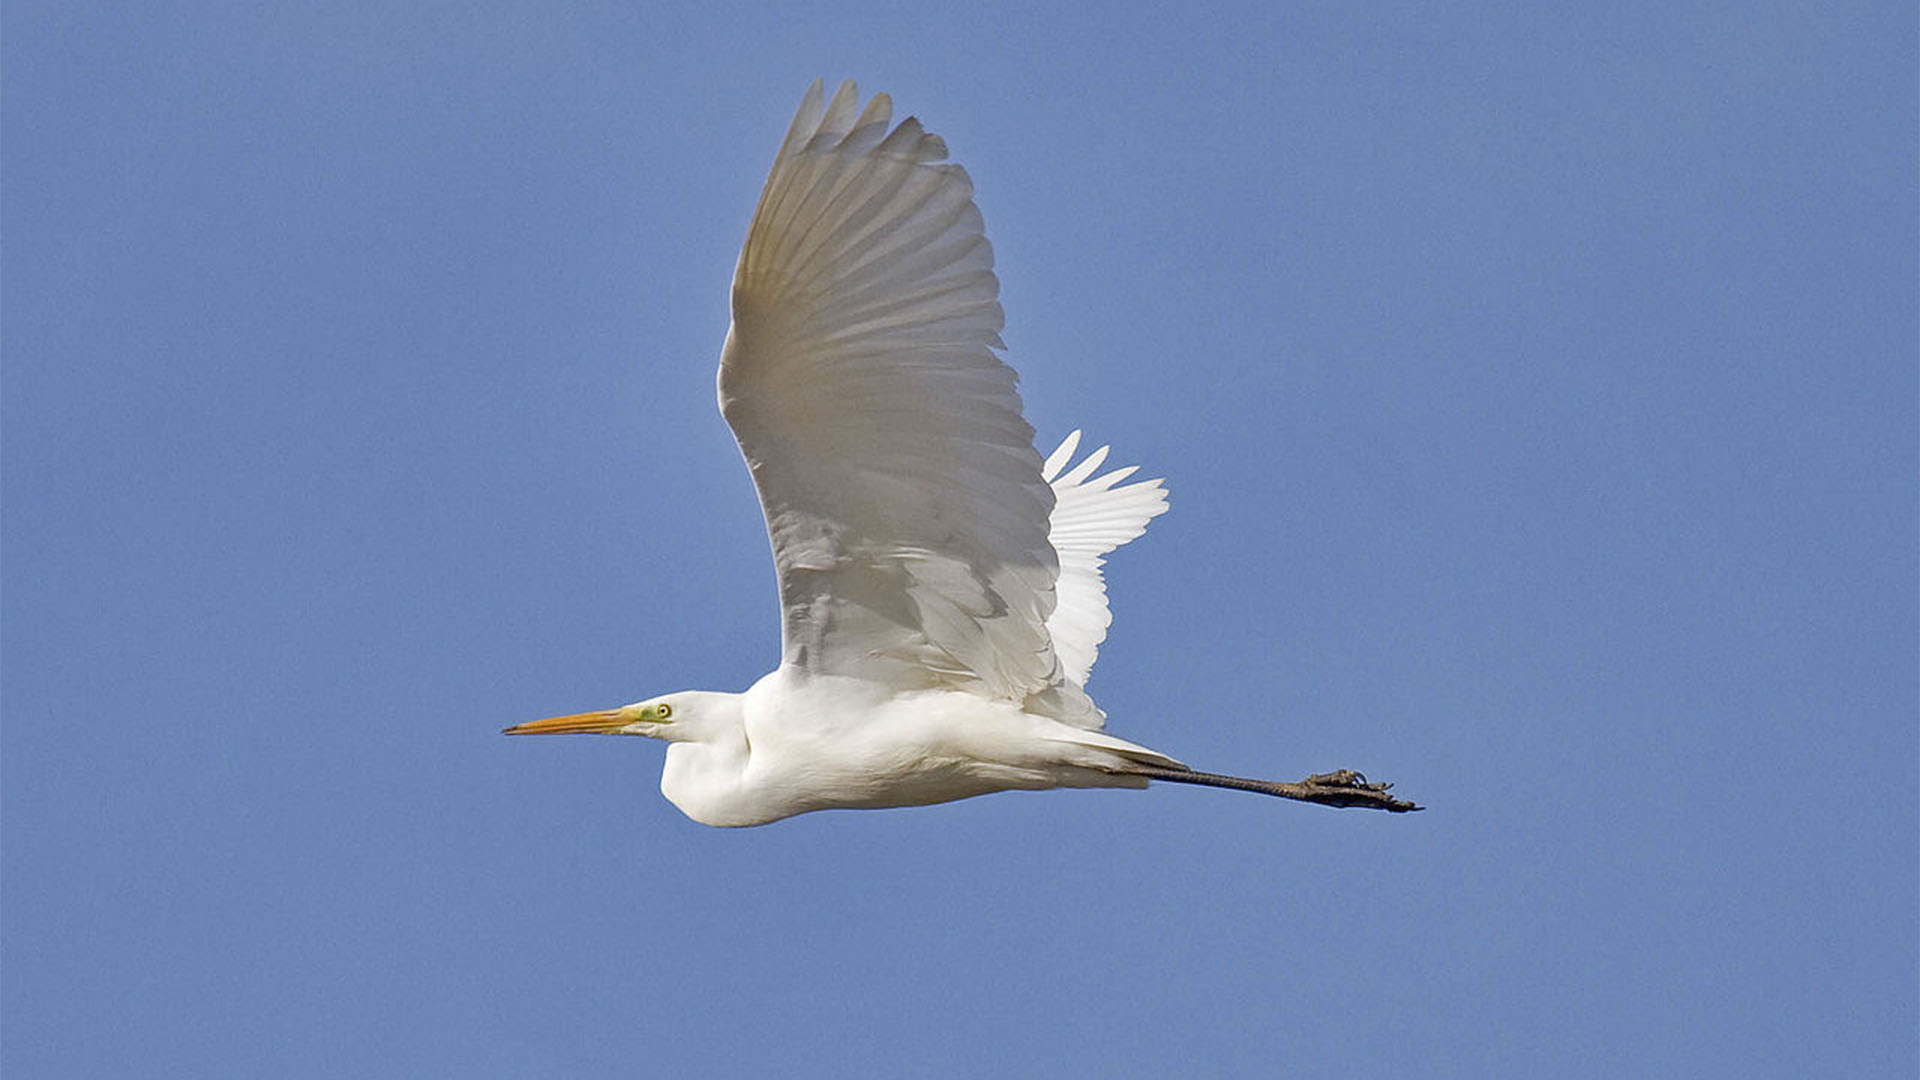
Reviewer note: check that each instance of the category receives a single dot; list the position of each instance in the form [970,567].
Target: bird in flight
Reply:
[940,583]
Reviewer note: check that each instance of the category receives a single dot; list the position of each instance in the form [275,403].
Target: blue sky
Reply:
[1537,389]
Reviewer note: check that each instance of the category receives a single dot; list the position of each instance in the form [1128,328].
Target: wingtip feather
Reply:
[1092,516]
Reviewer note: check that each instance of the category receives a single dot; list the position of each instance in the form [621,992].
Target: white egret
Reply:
[940,584]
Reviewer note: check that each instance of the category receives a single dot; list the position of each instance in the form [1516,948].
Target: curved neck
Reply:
[707,764]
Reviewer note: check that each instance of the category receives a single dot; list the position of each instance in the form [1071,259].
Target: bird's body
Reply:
[796,742]
[940,585]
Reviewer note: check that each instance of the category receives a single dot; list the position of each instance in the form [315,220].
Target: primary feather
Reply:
[1091,516]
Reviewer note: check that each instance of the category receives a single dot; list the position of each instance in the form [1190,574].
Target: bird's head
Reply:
[674,717]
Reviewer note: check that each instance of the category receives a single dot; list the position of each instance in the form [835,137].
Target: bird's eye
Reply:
[662,711]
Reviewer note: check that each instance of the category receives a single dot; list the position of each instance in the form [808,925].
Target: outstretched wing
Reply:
[900,484]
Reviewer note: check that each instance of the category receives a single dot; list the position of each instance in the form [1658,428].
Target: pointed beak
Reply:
[604,722]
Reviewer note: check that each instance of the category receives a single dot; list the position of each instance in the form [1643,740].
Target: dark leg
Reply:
[1342,788]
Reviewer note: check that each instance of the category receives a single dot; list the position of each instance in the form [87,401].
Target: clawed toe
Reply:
[1344,778]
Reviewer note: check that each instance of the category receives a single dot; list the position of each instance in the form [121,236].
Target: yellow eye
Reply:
[662,711]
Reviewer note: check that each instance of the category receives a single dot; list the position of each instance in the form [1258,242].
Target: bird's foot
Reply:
[1344,778]
[1345,787]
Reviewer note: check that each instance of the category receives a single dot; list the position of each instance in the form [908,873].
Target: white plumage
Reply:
[1091,516]
[940,586]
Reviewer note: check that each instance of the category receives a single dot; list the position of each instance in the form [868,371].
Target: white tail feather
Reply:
[1092,515]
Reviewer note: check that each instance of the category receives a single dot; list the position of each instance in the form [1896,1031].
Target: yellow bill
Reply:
[604,722]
